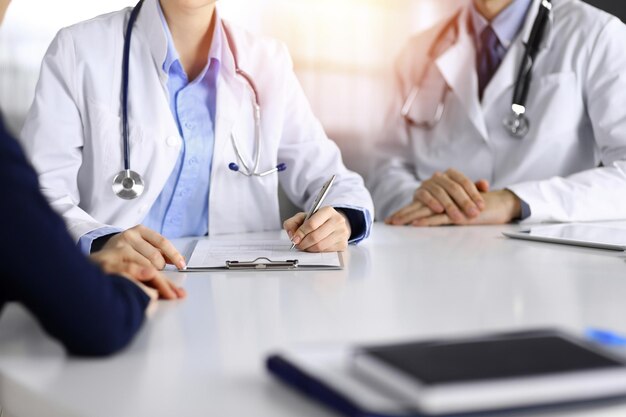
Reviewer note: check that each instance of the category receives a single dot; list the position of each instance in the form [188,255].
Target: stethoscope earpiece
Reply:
[128,185]
[278,168]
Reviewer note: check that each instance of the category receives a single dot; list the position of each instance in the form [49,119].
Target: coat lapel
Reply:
[231,91]
[458,67]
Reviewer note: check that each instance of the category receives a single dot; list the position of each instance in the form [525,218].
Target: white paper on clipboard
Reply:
[215,254]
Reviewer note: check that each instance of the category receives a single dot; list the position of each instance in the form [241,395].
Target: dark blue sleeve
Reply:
[89,312]
[360,222]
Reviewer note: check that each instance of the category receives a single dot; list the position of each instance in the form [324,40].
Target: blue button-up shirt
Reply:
[507,24]
[182,208]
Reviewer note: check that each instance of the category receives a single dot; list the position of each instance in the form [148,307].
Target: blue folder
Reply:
[288,368]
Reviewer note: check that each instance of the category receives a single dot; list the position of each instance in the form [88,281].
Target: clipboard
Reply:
[262,255]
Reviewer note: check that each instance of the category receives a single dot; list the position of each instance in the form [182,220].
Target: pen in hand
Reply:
[318,201]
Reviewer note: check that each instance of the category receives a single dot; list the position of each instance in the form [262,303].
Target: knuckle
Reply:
[314,224]
[315,248]
[161,240]
[450,207]
[156,257]
[315,236]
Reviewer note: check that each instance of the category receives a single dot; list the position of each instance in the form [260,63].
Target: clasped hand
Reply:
[451,198]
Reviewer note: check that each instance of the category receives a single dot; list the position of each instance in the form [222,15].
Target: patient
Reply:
[89,312]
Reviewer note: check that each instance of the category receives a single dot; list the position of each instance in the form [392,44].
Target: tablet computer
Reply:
[593,236]
[501,372]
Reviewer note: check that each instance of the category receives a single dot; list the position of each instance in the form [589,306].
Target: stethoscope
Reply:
[128,184]
[516,123]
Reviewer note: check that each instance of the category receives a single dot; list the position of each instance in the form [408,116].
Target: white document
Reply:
[216,254]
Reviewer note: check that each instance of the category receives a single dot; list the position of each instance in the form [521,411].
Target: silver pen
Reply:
[318,201]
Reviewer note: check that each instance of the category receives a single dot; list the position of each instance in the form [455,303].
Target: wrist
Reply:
[512,204]
[347,220]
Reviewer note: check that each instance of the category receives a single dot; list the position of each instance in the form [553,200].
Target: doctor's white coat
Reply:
[570,167]
[73,130]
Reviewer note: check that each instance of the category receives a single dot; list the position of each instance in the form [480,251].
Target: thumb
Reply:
[483,186]
[292,224]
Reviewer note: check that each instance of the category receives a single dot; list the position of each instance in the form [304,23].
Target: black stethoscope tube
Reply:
[125,77]
[524,77]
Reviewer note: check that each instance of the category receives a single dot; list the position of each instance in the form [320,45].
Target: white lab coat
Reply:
[72,131]
[576,106]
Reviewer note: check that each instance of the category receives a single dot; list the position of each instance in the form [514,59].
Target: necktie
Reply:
[488,58]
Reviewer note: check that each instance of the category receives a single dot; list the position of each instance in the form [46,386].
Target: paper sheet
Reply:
[211,254]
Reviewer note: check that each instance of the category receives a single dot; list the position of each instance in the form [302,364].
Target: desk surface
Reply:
[205,355]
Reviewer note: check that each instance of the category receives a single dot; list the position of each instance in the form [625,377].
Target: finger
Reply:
[335,242]
[425,197]
[149,252]
[157,281]
[313,223]
[433,221]
[410,216]
[133,270]
[291,225]
[179,291]
[167,250]
[317,235]
[460,196]
[406,209]
[470,189]
[483,186]
[128,254]
[440,194]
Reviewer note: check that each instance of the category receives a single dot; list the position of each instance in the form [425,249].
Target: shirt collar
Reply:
[506,25]
[172,56]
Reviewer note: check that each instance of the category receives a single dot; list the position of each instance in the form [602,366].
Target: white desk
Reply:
[205,356]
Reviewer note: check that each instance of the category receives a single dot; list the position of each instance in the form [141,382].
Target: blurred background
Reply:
[343,51]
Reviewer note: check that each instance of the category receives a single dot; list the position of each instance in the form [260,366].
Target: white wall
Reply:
[342,52]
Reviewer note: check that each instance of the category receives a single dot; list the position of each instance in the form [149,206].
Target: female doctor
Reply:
[163,120]
[509,110]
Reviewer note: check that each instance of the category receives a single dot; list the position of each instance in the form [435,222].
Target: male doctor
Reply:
[194,82]
[450,153]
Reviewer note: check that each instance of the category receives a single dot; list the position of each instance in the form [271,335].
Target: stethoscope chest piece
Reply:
[128,185]
[517,125]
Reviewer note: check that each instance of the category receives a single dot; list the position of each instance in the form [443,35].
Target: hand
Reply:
[453,193]
[328,230]
[126,263]
[155,250]
[501,207]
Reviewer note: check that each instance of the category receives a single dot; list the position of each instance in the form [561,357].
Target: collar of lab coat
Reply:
[230,88]
[458,67]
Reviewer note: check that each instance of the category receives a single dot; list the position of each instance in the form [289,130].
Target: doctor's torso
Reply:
[470,136]
[79,98]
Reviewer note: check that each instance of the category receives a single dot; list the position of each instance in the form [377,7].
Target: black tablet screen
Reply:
[497,358]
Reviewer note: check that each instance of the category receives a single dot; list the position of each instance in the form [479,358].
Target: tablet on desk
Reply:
[501,372]
[593,236]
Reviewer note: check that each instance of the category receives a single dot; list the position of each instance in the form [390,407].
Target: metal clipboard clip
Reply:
[256,264]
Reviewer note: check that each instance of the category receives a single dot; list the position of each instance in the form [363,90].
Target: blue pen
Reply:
[605,337]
